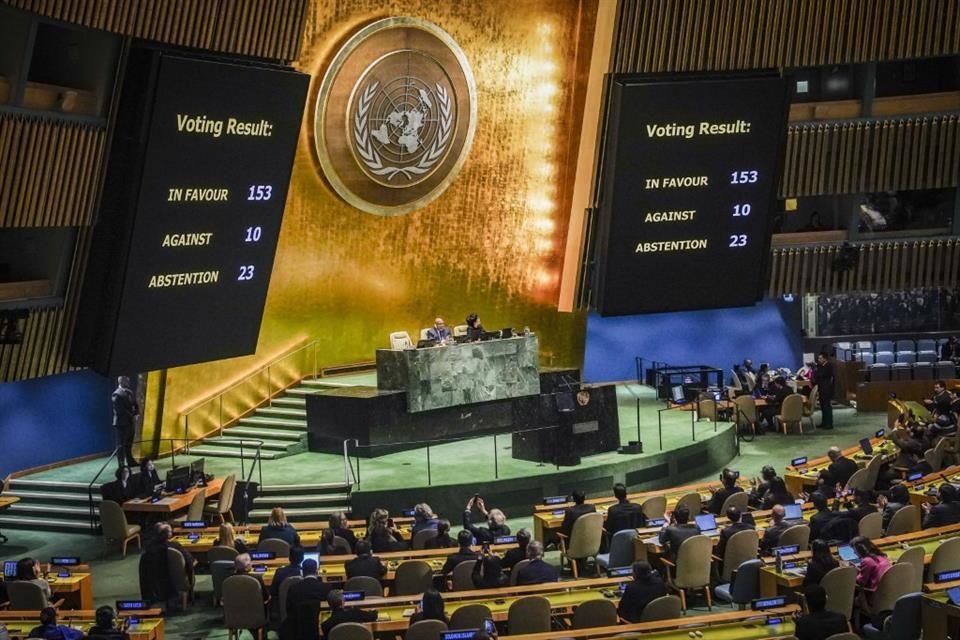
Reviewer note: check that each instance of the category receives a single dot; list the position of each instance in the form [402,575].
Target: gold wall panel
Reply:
[492,243]
[873,155]
[702,35]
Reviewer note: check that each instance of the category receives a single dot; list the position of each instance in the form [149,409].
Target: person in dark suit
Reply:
[292,569]
[243,566]
[949,350]
[463,554]
[729,479]
[624,514]
[496,521]
[278,527]
[125,412]
[443,539]
[165,533]
[106,626]
[537,571]
[823,516]
[645,587]
[736,526]
[303,605]
[821,562]
[122,489]
[513,556]
[897,498]
[761,485]
[944,513]
[839,470]
[862,506]
[676,531]
[771,535]
[339,614]
[148,479]
[382,534]
[438,331]
[431,608]
[940,403]
[50,629]
[337,526]
[365,564]
[777,494]
[823,380]
[578,509]
[820,623]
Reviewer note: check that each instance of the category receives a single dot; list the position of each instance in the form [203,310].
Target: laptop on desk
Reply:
[707,523]
[793,513]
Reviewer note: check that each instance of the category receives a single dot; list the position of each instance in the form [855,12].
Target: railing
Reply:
[211,415]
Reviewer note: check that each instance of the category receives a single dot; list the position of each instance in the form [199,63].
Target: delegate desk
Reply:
[394,612]
[732,625]
[896,407]
[941,618]
[459,374]
[791,580]
[75,589]
[20,623]
[927,488]
[804,477]
[170,502]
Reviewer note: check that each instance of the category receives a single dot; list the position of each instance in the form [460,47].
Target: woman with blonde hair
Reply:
[278,527]
[382,534]
[227,537]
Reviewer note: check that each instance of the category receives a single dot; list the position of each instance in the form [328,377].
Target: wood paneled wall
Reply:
[882,266]
[259,28]
[707,35]
[48,171]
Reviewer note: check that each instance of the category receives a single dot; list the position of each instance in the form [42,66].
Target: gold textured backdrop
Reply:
[492,243]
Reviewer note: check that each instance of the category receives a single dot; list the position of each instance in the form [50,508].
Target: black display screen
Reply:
[193,244]
[689,184]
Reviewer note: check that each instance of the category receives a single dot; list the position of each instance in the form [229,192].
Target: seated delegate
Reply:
[645,587]
[474,327]
[438,331]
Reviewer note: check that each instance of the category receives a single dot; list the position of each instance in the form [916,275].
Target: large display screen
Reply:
[196,250]
[689,183]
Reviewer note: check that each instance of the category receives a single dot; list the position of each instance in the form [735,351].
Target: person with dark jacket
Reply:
[443,539]
[944,513]
[125,412]
[337,526]
[50,630]
[572,514]
[821,562]
[823,516]
[645,587]
[771,535]
[303,605]
[777,494]
[513,556]
[423,518]
[148,478]
[823,381]
[431,608]
[156,583]
[292,569]
[463,554]
[729,480]
[862,506]
[243,566]
[536,571]
[106,626]
[496,522]
[382,534]
[340,614]
[761,485]
[897,498]
[165,531]
[624,514]
[124,488]
[736,526]
[839,470]
[820,623]
[487,571]
[676,531]
[365,564]
[277,527]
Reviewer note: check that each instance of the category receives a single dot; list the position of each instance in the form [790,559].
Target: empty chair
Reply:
[350,631]
[871,526]
[901,371]
[371,587]
[692,569]
[884,357]
[707,407]
[280,548]
[424,333]
[864,356]
[113,522]
[195,511]
[459,330]
[220,510]
[421,538]
[895,582]
[859,480]
[840,583]
[340,546]
[914,556]
[878,372]
[426,630]
[412,576]
[662,608]
[904,345]
[791,412]
[864,344]
[905,623]
[462,577]
[742,546]
[586,537]
[515,572]
[740,500]
[594,613]
[221,552]
[873,471]
[927,356]
[884,345]
[927,345]
[934,456]
[530,614]
[220,571]
[746,414]
[923,371]
[946,557]
[470,616]
[621,550]
[243,605]
[798,534]
[745,588]
[177,566]
[282,594]
[400,340]
[654,507]
[692,502]
[945,369]
[906,357]
[905,520]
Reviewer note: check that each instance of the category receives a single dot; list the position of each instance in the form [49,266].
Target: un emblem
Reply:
[395,118]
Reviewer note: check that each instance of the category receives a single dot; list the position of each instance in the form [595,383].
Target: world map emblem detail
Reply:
[395,116]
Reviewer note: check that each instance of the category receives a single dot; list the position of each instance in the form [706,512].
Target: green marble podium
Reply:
[461,374]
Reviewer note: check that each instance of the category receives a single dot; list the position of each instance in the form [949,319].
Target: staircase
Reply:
[301,502]
[48,505]
[281,426]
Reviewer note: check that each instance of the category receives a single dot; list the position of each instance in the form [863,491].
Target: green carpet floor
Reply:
[116,578]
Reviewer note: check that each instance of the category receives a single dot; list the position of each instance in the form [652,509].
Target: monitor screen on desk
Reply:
[9,569]
[196,469]
[706,522]
[793,512]
[178,479]
[678,395]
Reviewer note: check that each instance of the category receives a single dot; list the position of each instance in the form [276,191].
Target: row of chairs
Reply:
[401,339]
[884,371]
[925,344]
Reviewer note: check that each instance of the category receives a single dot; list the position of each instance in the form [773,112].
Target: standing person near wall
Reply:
[125,412]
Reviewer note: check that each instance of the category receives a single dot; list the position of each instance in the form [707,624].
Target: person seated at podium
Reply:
[624,514]
[122,489]
[513,556]
[337,526]
[149,478]
[537,571]
[278,527]
[443,539]
[382,534]
[463,554]
[646,587]
[474,327]
[676,531]
[365,564]
[496,521]
[572,514]
[438,331]
[728,479]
